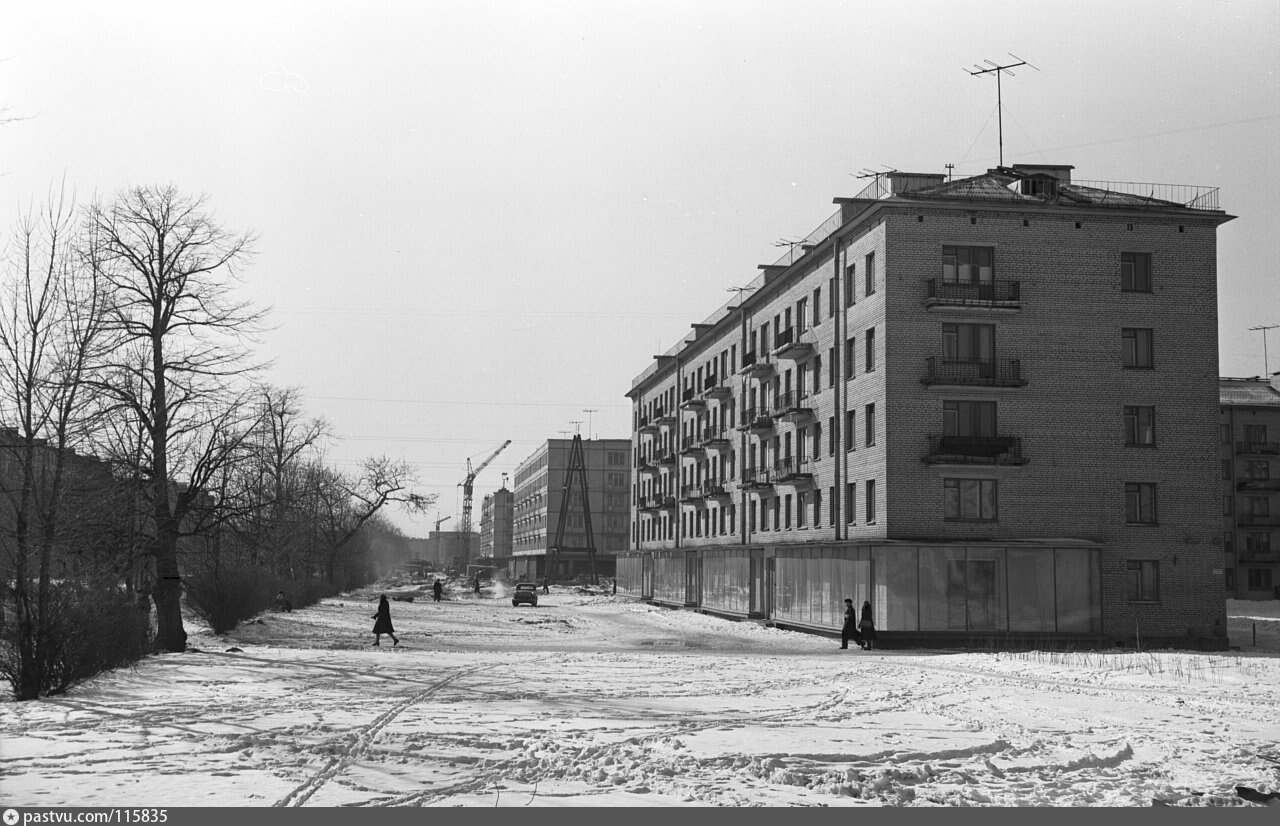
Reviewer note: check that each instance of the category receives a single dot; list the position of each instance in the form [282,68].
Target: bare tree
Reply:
[50,324]
[181,349]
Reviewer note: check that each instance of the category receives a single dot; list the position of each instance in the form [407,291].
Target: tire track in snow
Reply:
[364,739]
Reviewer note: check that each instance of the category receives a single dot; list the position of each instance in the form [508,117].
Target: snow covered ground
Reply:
[591,700]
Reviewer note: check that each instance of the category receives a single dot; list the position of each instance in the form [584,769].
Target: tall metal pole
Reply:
[999,70]
[1266,365]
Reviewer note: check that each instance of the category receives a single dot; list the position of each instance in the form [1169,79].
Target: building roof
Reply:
[1250,392]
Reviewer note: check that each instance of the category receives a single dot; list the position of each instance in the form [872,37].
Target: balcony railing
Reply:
[973,372]
[755,478]
[791,469]
[1258,484]
[975,450]
[1264,448]
[1259,520]
[791,406]
[755,365]
[755,418]
[664,457]
[1007,294]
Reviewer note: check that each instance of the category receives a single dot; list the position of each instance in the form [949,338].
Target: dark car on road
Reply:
[525,592]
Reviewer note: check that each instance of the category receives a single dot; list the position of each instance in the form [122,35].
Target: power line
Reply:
[466,403]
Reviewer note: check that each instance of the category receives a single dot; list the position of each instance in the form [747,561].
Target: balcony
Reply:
[718,439]
[1260,555]
[942,372]
[754,366]
[1257,448]
[756,420]
[974,450]
[754,478]
[992,295]
[650,503]
[692,494]
[792,471]
[695,447]
[664,458]
[713,389]
[1258,484]
[666,418]
[786,345]
[1259,520]
[646,465]
[715,491]
[791,407]
[648,426]
[692,400]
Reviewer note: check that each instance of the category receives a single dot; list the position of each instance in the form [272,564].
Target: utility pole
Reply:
[999,70]
[1266,366]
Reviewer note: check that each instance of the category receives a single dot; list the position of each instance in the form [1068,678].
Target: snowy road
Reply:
[589,700]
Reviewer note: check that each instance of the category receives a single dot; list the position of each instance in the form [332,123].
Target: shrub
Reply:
[225,596]
[89,629]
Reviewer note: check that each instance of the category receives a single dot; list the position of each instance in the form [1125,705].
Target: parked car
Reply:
[525,592]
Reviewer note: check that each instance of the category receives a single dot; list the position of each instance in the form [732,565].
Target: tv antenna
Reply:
[1265,365]
[979,69]
[589,412]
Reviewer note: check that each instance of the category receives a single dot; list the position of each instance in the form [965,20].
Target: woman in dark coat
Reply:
[849,631]
[382,624]
[867,626]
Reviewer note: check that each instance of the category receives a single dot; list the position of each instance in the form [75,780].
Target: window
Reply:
[1254,434]
[1259,506]
[850,501]
[1227,505]
[1257,471]
[616,458]
[831,367]
[969,500]
[1257,543]
[969,342]
[850,347]
[1226,434]
[1135,272]
[871,349]
[968,265]
[786,513]
[831,297]
[832,435]
[817,440]
[871,501]
[848,429]
[1139,426]
[1259,579]
[831,506]
[870,274]
[1226,468]
[802,517]
[1144,580]
[802,315]
[1228,542]
[849,273]
[870,419]
[1140,503]
[817,305]
[972,419]
[1136,347]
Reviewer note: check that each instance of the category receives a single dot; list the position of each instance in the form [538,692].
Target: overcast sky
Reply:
[479,220]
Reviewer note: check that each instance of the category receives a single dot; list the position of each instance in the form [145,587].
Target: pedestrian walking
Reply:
[477,585]
[382,623]
[849,631]
[867,625]
[437,590]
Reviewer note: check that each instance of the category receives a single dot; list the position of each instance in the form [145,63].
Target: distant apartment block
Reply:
[988,406]
[496,514]
[1251,486]
[539,484]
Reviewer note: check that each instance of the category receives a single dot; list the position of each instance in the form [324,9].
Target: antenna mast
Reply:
[979,69]
[1265,364]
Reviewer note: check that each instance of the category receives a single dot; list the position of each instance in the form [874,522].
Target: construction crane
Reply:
[469,481]
[440,520]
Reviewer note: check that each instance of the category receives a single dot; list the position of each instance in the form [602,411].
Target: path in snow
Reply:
[590,700]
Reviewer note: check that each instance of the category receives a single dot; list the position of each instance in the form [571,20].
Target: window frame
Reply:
[1143,580]
[1141,355]
[1135,272]
[1139,498]
[956,513]
[1133,425]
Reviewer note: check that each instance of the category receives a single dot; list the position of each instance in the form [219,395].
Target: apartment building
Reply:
[985,405]
[1251,486]
[539,484]
[496,515]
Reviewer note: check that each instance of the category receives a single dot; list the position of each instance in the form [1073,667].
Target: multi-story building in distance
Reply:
[539,483]
[1251,486]
[496,511]
[987,406]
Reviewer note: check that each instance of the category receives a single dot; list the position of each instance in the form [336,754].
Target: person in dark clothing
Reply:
[382,623]
[477,585]
[867,626]
[850,629]
[437,590]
